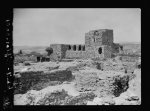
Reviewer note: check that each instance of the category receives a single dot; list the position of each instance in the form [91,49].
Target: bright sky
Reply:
[44,26]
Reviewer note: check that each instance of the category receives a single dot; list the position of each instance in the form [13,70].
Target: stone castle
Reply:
[98,44]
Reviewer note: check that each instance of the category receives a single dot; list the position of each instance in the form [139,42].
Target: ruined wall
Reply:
[64,48]
[56,51]
[75,51]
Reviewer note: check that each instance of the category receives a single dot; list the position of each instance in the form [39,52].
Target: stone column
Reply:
[72,47]
[83,47]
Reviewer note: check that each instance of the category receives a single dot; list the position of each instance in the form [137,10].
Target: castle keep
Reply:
[98,44]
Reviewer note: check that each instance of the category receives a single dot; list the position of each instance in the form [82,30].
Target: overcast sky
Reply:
[42,27]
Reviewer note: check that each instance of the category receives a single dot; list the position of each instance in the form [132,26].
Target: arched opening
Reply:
[79,47]
[69,47]
[74,47]
[100,50]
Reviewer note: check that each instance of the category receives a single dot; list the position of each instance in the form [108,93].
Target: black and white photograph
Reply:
[77,56]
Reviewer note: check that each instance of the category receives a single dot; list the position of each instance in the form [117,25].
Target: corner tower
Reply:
[98,43]
[99,37]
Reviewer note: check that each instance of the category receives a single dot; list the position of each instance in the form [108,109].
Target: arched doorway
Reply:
[69,47]
[100,50]
[79,47]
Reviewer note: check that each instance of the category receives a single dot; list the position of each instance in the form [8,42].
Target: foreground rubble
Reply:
[80,82]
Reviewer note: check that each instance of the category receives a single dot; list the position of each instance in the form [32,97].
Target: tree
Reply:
[49,50]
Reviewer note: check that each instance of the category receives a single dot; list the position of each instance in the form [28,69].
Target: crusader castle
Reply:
[98,44]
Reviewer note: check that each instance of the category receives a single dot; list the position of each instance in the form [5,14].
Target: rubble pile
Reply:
[80,65]
[117,65]
[111,65]
[80,82]
[58,95]
[102,84]
[62,98]
[126,98]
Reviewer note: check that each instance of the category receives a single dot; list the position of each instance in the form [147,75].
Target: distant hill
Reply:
[132,46]
[28,49]
[128,45]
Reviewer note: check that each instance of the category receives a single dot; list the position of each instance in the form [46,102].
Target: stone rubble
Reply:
[111,86]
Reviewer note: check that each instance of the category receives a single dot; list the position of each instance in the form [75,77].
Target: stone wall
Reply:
[107,51]
[107,37]
[75,54]
[99,37]
[76,47]
[64,48]
[89,40]
[61,51]
[99,52]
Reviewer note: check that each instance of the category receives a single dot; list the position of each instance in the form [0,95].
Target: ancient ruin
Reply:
[103,69]
[98,44]
[79,78]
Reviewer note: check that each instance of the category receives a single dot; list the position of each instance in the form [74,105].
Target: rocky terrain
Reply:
[78,82]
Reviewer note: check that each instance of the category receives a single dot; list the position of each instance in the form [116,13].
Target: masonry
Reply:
[98,44]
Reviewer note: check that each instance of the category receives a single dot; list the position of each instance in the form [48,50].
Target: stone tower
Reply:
[98,43]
